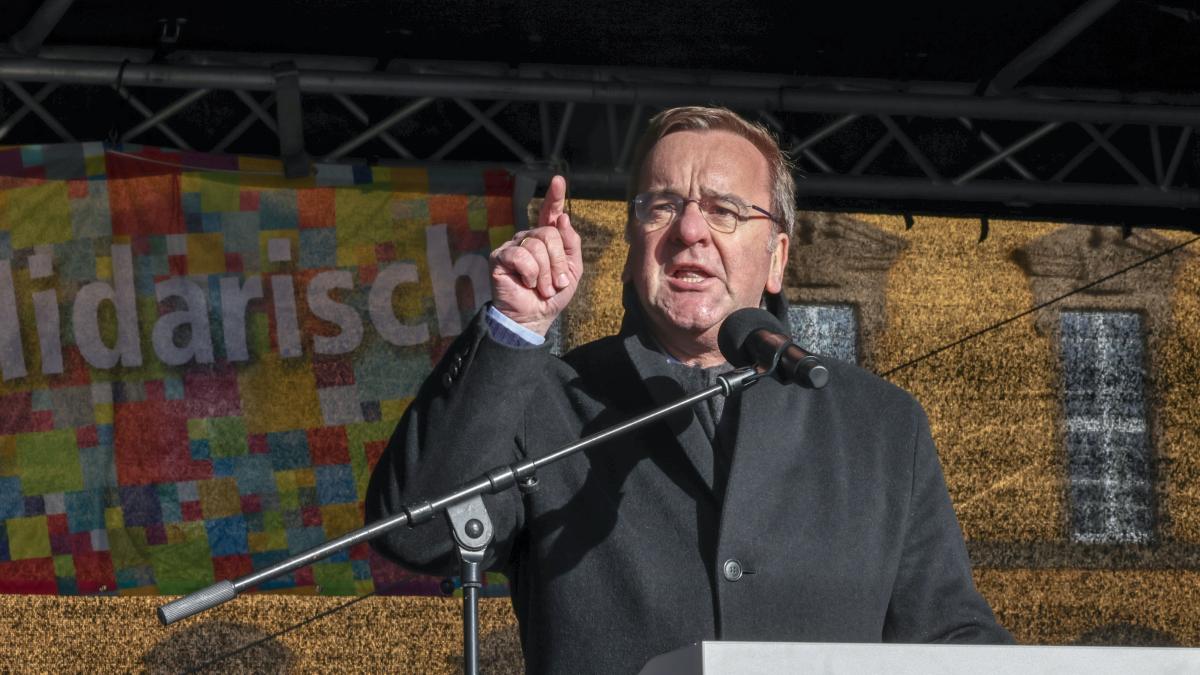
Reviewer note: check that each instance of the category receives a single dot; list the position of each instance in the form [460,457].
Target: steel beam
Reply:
[813,157]
[561,139]
[610,118]
[635,120]
[249,119]
[466,131]
[822,133]
[893,188]
[257,110]
[1156,154]
[386,137]
[804,147]
[32,104]
[378,128]
[494,129]
[828,117]
[995,147]
[911,148]
[146,112]
[1004,154]
[1078,159]
[24,110]
[1049,44]
[290,120]
[544,126]
[872,154]
[778,98]
[1176,156]
[28,41]
[1003,192]
[160,116]
[705,78]
[1115,154]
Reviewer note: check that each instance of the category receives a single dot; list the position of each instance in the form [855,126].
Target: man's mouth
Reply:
[690,275]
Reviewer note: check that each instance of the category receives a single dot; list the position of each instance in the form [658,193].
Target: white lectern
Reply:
[773,658]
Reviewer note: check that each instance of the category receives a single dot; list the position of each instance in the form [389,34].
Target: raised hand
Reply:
[536,273]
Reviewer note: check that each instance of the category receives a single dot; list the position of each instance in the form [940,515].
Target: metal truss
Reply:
[878,142]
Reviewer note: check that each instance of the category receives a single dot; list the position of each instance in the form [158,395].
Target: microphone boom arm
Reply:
[491,482]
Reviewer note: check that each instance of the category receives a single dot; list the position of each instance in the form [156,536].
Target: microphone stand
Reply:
[469,522]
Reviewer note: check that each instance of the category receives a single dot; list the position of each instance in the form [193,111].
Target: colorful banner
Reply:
[202,361]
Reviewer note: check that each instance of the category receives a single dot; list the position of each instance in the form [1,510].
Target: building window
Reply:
[828,330]
[1108,447]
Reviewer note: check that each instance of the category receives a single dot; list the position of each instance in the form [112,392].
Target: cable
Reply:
[221,657]
[176,165]
[1043,305]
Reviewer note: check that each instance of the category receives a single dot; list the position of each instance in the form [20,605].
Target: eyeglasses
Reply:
[655,210]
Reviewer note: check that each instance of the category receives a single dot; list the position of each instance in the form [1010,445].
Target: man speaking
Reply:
[781,513]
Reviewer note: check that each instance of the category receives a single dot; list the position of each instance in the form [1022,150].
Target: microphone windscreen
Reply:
[738,326]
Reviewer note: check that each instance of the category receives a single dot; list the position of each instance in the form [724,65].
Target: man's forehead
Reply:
[720,161]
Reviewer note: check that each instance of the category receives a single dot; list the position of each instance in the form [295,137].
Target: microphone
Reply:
[754,337]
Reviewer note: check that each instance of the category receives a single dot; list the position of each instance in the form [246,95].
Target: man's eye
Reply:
[662,207]
[723,210]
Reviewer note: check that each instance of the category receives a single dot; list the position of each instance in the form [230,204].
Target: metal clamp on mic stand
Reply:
[468,518]
[473,533]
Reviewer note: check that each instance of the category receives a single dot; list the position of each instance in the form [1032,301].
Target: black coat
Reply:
[835,509]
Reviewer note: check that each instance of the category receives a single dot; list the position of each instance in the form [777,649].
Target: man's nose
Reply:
[691,226]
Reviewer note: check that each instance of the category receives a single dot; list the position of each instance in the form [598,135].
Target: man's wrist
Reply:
[506,331]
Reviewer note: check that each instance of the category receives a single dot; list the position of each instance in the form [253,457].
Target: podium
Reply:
[773,658]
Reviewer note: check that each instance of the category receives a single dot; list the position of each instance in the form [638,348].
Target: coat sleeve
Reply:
[467,419]
[934,598]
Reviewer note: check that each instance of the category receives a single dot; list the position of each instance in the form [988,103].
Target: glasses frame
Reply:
[637,202]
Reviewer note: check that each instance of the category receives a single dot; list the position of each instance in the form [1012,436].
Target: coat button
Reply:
[732,570]
[447,380]
[455,367]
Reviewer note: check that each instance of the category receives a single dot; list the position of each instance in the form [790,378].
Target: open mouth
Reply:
[690,275]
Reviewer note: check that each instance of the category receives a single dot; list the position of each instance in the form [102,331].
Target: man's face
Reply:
[689,277]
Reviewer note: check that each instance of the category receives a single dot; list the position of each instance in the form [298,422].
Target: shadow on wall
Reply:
[221,646]
[1127,635]
[499,653]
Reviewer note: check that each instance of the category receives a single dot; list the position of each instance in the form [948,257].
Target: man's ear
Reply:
[779,258]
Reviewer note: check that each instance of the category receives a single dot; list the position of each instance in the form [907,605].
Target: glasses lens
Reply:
[656,209]
[722,214]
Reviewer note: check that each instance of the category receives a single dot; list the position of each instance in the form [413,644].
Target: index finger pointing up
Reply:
[572,247]
[554,203]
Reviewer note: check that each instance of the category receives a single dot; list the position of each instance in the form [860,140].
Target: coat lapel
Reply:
[766,440]
[655,373]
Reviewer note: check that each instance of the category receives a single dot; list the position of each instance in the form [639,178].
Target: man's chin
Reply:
[690,321]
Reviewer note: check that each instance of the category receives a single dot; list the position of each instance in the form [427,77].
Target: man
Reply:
[783,513]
